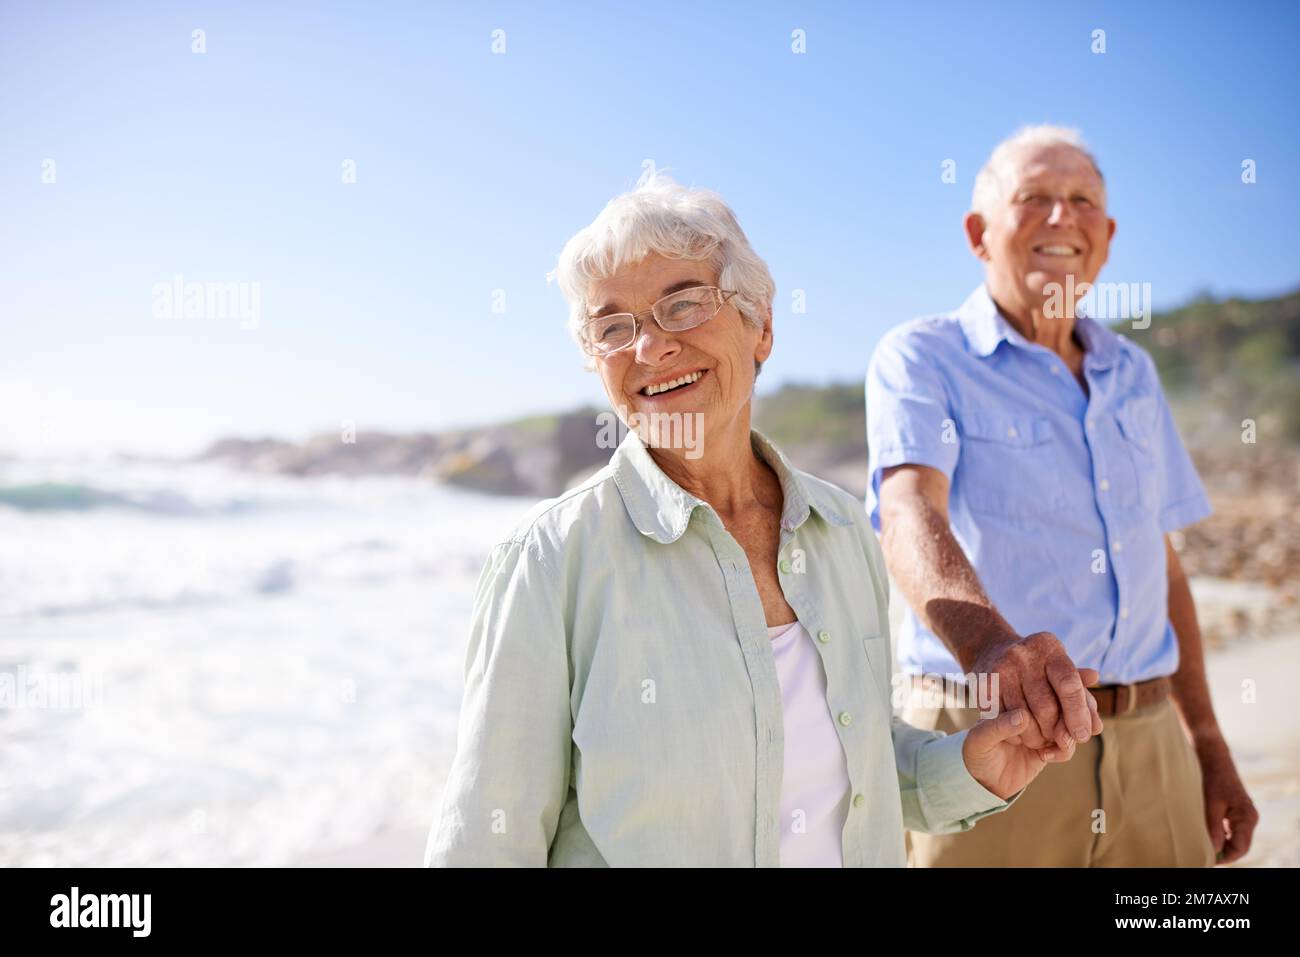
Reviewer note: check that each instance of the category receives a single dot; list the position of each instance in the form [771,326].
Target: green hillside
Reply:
[1237,357]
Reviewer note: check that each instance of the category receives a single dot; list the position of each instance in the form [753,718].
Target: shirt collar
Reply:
[662,509]
[982,323]
[1100,344]
[985,327]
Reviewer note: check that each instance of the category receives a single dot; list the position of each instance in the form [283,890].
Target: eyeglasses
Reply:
[676,312]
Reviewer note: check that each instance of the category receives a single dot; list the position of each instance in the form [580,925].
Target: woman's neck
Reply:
[730,475]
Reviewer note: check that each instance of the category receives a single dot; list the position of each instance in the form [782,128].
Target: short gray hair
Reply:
[989,182]
[664,217]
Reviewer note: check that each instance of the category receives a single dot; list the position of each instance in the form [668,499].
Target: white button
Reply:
[1119,546]
[1104,485]
[1123,612]
[1092,423]
[1056,370]
[1011,432]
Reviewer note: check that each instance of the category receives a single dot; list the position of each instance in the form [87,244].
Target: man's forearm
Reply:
[939,582]
[1191,690]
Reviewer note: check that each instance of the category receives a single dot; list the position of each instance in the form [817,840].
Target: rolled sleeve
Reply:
[909,415]
[939,794]
[509,777]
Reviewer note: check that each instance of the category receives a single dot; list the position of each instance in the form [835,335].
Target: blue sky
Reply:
[473,168]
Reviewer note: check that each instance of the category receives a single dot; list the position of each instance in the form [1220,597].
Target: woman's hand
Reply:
[997,757]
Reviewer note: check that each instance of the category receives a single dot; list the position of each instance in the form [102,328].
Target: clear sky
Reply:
[474,167]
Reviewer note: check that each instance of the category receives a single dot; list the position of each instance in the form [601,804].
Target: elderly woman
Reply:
[685,660]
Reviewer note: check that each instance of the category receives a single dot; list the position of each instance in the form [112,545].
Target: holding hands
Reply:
[1045,711]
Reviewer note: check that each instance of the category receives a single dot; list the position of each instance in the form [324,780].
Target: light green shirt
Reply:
[621,700]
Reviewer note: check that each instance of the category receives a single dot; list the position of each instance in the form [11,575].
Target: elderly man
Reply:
[1025,476]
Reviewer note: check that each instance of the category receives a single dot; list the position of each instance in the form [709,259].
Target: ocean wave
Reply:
[78,497]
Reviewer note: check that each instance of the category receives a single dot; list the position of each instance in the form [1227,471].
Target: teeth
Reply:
[1057,250]
[665,386]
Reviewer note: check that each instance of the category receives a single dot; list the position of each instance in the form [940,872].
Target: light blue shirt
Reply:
[1059,499]
[622,705]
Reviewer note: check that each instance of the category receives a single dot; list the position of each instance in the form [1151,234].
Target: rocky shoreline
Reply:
[537,457]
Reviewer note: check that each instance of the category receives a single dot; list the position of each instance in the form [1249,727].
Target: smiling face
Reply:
[708,369]
[1049,223]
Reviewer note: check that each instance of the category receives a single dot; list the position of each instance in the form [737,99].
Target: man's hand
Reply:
[1230,814]
[1035,674]
[995,759]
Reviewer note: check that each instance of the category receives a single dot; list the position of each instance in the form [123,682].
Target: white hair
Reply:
[664,217]
[990,182]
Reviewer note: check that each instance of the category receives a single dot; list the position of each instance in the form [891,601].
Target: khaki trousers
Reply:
[1131,798]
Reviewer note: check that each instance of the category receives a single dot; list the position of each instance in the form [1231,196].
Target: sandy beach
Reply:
[1265,738]
[1251,679]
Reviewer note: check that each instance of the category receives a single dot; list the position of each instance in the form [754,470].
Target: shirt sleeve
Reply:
[909,416]
[940,796]
[509,777]
[1182,496]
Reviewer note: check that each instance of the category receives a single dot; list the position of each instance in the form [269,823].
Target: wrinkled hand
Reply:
[1230,814]
[1035,674]
[995,759]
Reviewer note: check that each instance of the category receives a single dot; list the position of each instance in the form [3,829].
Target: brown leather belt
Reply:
[1120,700]
[1112,700]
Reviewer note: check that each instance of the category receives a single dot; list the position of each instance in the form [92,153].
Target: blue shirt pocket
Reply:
[1137,423]
[1009,465]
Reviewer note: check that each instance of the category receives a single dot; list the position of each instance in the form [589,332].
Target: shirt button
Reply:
[1011,432]
[846,719]
[1104,485]
[859,800]
[1056,370]
[1118,546]
[823,636]
[785,566]
[1123,613]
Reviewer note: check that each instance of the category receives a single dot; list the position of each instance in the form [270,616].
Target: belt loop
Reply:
[1131,705]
